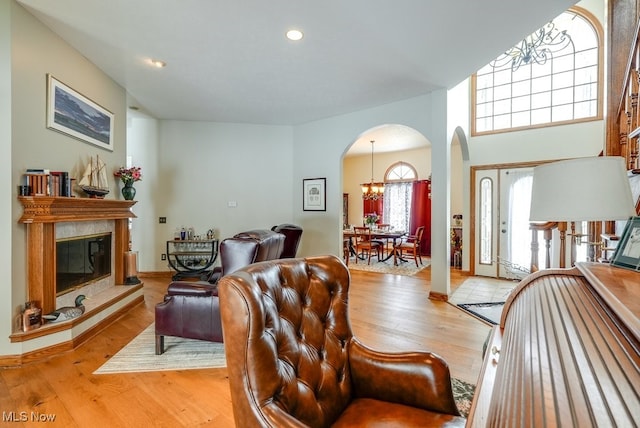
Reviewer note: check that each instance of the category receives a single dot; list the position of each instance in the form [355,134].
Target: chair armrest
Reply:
[188,288]
[418,379]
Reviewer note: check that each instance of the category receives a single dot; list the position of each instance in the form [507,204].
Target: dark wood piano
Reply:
[566,353]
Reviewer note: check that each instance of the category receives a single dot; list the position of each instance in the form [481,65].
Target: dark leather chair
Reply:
[292,235]
[192,309]
[293,361]
[235,253]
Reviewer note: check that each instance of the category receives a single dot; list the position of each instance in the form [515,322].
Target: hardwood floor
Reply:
[387,312]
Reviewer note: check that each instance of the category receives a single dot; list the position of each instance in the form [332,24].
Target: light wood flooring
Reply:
[388,312]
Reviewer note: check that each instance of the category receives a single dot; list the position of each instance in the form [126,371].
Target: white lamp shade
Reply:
[584,189]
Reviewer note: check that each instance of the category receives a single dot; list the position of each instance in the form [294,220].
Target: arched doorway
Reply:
[365,162]
[393,143]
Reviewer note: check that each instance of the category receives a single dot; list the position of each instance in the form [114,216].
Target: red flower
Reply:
[129,175]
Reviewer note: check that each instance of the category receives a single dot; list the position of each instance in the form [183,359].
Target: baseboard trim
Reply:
[157,274]
[438,297]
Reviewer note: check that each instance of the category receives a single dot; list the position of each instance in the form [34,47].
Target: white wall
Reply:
[7,191]
[143,142]
[203,168]
[554,142]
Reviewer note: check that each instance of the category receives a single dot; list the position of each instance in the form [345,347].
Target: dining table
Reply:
[393,235]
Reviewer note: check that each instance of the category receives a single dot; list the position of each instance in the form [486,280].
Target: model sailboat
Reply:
[94,180]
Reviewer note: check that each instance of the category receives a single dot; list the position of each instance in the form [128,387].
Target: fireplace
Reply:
[53,219]
[103,226]
[81,260]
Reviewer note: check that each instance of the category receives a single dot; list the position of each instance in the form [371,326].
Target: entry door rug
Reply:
[180,354]
[403,268]
[488,311]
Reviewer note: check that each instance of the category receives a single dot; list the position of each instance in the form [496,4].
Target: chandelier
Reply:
[537,48]
[372,190]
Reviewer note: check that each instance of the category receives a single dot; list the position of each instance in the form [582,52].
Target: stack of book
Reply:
[43,182]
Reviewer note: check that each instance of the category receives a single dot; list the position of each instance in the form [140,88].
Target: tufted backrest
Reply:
[287,334]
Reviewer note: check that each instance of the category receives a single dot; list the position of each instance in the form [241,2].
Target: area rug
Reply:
[463,394]
[403,268]
[488,311]
[180,354]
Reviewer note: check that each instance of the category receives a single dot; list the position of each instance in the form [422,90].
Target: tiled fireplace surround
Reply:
[48,219]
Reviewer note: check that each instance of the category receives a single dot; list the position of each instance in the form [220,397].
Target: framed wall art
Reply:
[75,115]
[314,194]
[627,254]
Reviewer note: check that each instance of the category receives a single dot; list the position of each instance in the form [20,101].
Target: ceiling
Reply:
[229,61]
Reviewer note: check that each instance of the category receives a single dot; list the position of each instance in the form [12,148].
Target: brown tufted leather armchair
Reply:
[192,309]
[292,235]
[293,361]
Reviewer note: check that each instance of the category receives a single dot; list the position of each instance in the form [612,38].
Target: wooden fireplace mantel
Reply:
[41,213]
[45,209]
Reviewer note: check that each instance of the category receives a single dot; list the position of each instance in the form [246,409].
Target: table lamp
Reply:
[582,189]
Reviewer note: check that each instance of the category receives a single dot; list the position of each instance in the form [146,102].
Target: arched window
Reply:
[400,171]
[552,77]
[398,186]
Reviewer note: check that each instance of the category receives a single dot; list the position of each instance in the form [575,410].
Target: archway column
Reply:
[440,204]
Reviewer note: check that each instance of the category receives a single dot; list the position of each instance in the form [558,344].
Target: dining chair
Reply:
[364,244]
[409,247]
[346,250]
[386,243]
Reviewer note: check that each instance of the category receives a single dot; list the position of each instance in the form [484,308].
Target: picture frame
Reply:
[627,253]
[314,194]
[75,115]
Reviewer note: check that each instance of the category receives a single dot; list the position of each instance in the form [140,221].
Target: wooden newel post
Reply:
[562,228]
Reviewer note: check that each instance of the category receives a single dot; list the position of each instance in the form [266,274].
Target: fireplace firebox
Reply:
[82,260]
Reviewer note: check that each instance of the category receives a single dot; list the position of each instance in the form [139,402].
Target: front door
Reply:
[502,235]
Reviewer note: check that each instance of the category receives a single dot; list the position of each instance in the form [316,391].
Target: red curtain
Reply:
[421,213]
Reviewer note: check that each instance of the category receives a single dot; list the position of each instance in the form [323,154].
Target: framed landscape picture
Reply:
[627,254]
[75,115]
[314,194]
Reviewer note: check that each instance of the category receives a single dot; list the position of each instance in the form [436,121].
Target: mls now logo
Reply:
[26,416]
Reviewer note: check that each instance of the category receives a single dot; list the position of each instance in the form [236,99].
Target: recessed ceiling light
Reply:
[158,63]
[294,35]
